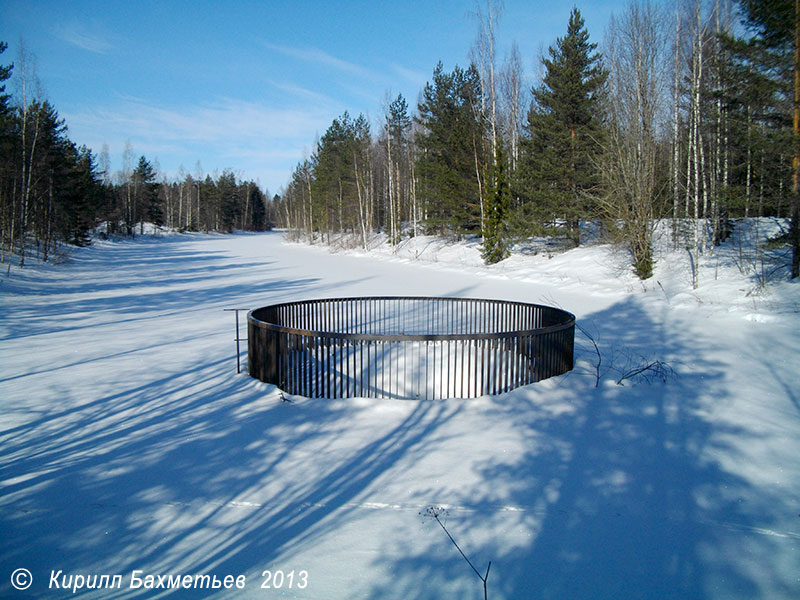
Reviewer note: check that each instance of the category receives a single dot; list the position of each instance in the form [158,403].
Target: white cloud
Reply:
[262,141]
[416,78]
[225,119]
[304,93]
[77,35]
[319,57]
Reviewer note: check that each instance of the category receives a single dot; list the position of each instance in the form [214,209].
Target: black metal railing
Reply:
[407,347]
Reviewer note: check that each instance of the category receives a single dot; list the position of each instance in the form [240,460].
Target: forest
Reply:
[688,113]
[53,192]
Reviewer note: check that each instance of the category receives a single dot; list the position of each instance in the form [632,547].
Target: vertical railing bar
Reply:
[490,379]
[341,344]
[529,361]
[390,392]
[433,374]
[496,366]
[403,348]
[290,363]
[430,378]
[499,368]
[328,391]
[482,367]
[501,343]
[361,369]
[293,364]
[312,365]
[462,344]
[474,376]
[383,370]
[351,367]
[449,343]
[507,357]
[306,364]
[300,362]
[369,364]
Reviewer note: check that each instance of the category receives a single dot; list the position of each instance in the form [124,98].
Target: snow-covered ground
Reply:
[129,443]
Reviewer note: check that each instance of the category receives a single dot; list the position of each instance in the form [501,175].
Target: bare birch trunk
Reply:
[676,129]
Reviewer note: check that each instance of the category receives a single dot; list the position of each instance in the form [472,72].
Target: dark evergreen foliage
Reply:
[80,196]
[496,238]
[258,214]
[49,188]
[769,68]
[564,131]
[452,155]
[146,187]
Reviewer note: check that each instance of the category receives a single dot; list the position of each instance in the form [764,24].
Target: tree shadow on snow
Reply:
[620,496]
[184,472]
[613,492]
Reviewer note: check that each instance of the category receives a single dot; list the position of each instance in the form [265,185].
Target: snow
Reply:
[129,442]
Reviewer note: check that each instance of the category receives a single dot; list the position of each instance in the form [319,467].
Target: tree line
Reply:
[54,192]
[689,114]
[189,202]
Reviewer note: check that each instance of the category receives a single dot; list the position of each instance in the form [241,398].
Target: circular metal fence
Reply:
[407,347]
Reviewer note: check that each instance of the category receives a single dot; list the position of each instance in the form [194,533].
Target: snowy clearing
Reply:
[128,442]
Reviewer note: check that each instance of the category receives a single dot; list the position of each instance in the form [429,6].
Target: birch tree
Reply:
[511,94]
[634,186]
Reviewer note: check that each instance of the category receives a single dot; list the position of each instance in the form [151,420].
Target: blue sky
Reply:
[249,85]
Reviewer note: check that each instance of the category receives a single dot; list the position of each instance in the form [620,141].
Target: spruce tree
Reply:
[147,193]
[258,212]
[564,130]
[79,193]
[334,180]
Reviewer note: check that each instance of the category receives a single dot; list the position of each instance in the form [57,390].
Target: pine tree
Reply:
[397,125]
[564,129]
[452,157]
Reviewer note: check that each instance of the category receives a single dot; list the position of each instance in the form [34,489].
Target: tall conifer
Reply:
[452,156]
[564,129]
[777,25]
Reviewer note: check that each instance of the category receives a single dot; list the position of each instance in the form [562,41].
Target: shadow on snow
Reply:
[615,493]
[618,497]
